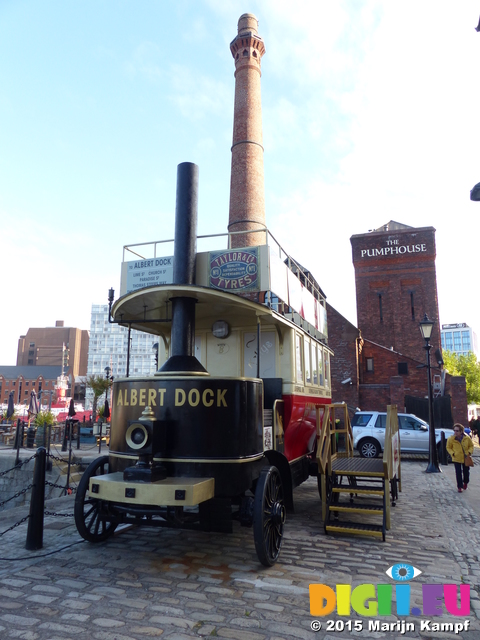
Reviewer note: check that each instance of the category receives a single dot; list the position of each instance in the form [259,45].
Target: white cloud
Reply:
[197,95]
[147,61]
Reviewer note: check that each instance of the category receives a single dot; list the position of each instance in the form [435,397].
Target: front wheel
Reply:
[369,448]
[269,516]
[90,518]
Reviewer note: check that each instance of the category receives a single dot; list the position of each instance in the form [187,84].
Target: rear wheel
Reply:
[269,516]
[369,448]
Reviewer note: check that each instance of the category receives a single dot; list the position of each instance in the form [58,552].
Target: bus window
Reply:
[327,369]
[315,363]
[298,357]
[308,359]
[320,366]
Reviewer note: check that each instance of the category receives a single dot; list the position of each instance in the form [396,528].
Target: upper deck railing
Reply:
[149,250]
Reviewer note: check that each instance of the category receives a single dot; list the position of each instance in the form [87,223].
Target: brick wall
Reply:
[386,366]
[395,282]
[457,387]
[342,338]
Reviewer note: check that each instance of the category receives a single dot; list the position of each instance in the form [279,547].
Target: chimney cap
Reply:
[248,22]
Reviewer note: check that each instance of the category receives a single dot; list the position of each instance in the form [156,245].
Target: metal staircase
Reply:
[357,490]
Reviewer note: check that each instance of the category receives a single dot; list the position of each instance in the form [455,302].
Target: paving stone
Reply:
[10,605]
[76,617]
[177,622]
[62,628]
[146,583]
[107,622]
[45,588]
[22,621]
[75,604]
[42,599]
[239,634]
[10,593]
[15,583]
[148,632]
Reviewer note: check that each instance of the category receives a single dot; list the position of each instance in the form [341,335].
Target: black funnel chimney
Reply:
[182,361]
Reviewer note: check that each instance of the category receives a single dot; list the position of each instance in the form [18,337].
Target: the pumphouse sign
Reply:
[393,248]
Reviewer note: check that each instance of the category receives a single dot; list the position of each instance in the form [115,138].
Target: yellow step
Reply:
[361,530]
[370,492]
[358,509]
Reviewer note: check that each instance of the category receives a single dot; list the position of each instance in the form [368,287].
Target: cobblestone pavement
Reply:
[149,583]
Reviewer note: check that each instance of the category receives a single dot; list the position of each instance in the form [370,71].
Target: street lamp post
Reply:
[155,352]
[426,326]
[106,410]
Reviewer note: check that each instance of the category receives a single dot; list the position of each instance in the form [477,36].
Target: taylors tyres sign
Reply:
[393,248]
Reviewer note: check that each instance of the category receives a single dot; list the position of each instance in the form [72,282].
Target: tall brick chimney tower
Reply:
[247,191]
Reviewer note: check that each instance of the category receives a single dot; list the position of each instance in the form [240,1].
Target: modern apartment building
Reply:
[109,345]
[459,338]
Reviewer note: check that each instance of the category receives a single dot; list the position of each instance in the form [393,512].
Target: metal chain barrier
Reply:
[18,466]
[14,526]
[69,490]
[59,486]
[54,457]
[17,495]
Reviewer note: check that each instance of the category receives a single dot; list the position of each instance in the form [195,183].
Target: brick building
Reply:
[55,346]
[396,284]
[22,380]
[382,361]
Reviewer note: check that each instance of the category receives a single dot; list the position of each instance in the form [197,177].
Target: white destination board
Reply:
[138,274]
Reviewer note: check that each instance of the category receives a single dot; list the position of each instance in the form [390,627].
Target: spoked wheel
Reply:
[90,520]
[269,516]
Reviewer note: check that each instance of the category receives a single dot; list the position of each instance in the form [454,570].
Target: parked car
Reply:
[369,433]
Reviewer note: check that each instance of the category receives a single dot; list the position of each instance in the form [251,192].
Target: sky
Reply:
[370,113]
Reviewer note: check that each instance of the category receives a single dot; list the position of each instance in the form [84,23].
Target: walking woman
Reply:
[458,446]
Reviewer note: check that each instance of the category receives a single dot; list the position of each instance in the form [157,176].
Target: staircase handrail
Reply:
[326,436]
[391,451]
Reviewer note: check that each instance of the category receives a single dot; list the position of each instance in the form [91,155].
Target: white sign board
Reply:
[138,274]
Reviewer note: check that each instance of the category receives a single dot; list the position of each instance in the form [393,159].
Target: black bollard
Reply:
[37,501]
[78,433]
[16,444]
[443,449]
[49,439]
[65,433]
[30,437]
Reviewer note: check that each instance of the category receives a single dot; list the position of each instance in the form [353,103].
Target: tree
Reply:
[467,366]
[99,385]
[44,418]
[13,418]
